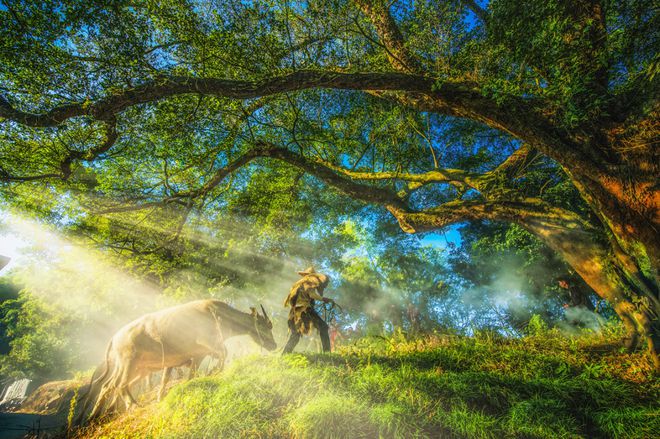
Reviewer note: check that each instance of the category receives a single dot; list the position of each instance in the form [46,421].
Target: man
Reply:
[303,316]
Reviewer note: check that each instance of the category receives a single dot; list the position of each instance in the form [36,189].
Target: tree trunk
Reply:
[625,196]
[601,268]
[578,292]
[629,207]
[584,247]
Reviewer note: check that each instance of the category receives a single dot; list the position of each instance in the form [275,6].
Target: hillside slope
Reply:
[537,387]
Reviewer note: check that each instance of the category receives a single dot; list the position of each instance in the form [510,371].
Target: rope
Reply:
[330,312]
[261,340]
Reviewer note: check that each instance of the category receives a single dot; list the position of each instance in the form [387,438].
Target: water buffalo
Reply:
[176,336]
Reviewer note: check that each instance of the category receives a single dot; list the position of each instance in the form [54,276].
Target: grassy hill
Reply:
[538,387]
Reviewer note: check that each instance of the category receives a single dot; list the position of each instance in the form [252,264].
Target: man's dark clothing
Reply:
[313,319]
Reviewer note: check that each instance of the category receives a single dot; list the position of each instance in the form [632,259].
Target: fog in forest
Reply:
[94,295]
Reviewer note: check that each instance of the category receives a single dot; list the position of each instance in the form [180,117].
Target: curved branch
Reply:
[358,191]
[9,178]
[577,241]
[517,162]
[65,166]
[480,12]
[512,167]
[520,116]
[523,118]
[435,176]
[236,89]
[531,213]
[390,36]
[561,229]
[342,178]
[363,192]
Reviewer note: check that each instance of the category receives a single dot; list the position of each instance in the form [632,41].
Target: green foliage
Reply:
[536,326]
[331,417]
[428,387]
[629,422]
[237,235]
[505,263]
[40,342]
[8,291]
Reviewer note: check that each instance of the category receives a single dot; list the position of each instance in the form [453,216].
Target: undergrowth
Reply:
[546,386]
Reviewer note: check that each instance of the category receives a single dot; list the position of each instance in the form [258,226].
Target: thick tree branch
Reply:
[65,166]
[517,162]
[10,178]
[521,117]
[390,36]
[345,180]
[480,12]
[532,213]
[366,193]
[455,97]
[317,168]
[434,176]
[524,120]
[236,89]
[565,232]
[512,167]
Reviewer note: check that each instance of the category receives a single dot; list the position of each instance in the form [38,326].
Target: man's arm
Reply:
[316,296]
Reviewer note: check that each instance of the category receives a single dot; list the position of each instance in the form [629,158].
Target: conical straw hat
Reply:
[308,270]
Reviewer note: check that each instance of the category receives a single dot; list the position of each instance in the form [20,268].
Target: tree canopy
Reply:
[538,114]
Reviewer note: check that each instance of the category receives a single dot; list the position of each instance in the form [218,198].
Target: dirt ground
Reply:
[32,425]
[42,414]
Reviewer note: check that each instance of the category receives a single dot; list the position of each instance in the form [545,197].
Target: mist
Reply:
[97,293]
[100,289]
[79,285]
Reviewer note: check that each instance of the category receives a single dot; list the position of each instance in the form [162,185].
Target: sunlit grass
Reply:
[430,387]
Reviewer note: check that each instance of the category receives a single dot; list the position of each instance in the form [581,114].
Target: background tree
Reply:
[158,104]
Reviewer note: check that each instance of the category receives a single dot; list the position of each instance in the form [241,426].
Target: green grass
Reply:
[539,387]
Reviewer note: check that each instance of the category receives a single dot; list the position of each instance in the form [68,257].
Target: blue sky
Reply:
[443,238]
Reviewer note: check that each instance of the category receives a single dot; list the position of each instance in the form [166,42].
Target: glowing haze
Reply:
[85,283]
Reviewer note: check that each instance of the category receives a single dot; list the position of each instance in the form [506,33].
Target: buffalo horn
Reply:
[264,311]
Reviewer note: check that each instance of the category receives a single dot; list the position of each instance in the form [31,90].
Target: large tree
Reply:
[189,93]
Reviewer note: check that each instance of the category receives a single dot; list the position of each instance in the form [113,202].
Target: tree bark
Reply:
[622,191]
[581,245]
[586,246]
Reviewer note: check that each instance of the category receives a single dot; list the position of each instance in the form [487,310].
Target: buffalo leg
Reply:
[163,382]
[125,379]
[144,376]
[193,369]
[222,357]
[106,390]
